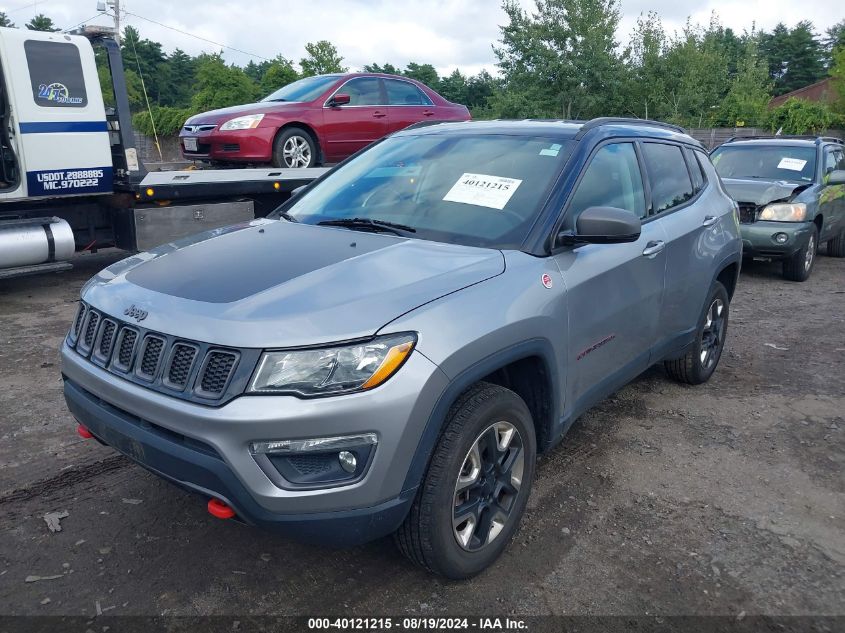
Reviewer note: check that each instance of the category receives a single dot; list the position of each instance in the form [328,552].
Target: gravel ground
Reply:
[725,499]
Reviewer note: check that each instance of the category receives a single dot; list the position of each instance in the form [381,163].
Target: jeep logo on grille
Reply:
[135,313]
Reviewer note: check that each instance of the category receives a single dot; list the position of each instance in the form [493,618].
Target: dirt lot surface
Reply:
[727,498]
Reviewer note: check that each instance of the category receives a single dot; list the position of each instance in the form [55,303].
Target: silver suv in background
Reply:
[391,350]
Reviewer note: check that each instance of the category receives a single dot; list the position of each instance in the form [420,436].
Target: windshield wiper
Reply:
[373,225]
[287,216]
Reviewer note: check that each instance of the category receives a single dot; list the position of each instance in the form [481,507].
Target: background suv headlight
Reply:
[242,122]
[332,370]
[785,212]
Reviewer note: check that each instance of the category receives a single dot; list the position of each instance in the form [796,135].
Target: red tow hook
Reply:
[219,509]
[83,432]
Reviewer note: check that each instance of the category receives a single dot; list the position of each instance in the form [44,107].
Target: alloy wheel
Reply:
[811,253]
[713,335]
[296,152]
[487,486]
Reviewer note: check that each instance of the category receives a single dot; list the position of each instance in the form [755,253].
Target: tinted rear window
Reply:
[668,175]
[55,72]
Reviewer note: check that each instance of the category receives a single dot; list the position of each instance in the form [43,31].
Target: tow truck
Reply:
[70,176]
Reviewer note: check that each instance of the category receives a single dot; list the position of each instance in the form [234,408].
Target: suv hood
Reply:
[272,283]
[762,192]
[224,114]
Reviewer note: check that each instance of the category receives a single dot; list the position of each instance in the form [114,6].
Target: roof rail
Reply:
[793,137]
[607,120]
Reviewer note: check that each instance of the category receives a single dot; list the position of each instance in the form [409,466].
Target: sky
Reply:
[446,33]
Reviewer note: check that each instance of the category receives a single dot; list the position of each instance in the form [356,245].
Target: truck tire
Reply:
[800,265]
[700,361]
[836,246]
[484,462]
[294,147]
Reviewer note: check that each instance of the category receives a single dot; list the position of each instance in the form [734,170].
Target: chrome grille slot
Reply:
[125,349]
[105,341]
[179,366]
[152,351]
[217,369]
[77,322]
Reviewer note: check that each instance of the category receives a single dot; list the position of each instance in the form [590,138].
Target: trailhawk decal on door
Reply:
[55,182]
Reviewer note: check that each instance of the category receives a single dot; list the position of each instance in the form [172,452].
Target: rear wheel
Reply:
[836,246]
[700,361]
[294,147]
[800,265]
[476,488]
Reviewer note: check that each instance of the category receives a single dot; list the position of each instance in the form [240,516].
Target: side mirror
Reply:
[603,225]
[339,100]
[836,177]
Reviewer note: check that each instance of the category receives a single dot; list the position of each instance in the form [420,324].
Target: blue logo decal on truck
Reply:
[58,93]
[63,182]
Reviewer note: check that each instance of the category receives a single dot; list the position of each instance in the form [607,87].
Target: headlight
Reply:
[243,122]
[784,212]
[332,370]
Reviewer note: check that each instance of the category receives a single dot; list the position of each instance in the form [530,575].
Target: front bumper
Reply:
[206,449]
[758,238]
[255,145]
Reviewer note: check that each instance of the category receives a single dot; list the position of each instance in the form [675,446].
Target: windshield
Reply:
[306,89]
[479,190]
[766,162]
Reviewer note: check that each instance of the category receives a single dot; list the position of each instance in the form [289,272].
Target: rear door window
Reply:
[667,172]
[405,93]
[55,72]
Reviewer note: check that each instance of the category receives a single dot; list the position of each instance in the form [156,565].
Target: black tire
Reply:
[428,536]
[294,147]
[836,246]
[697,365]
[799,267]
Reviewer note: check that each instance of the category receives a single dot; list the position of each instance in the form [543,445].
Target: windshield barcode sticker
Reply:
[483,191]
[793,164]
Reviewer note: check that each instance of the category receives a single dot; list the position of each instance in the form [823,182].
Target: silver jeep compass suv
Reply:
[390,350]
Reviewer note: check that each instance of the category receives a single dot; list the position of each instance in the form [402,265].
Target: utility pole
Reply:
[116,5]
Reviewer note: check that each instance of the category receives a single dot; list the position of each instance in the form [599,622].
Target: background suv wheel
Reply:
[800,265]
[475,490]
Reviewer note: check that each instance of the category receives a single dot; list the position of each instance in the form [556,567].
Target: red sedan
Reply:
[315,120]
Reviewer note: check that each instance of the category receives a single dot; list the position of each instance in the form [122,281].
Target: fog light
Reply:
[780,238]
[348,461]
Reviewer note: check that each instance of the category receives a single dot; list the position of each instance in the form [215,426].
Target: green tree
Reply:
[797,116]
[795,57]
[279,73]
[646,89]
[454,87]
[147,59]
[834,40]
[388,69]
[750,90]
[220,86]
[5,21]
[561,60]
[837,72]
[424,73]
[42,23]
[322,58]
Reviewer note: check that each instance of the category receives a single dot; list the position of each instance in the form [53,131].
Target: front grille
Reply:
[89,331]
[150,356]
[747,212]
[126,348]
[106,340]
[189,370]
[216,371]
[181,360]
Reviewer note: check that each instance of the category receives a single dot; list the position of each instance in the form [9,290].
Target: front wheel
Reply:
[699,363]
[294,147]
[475,490]
[800,265]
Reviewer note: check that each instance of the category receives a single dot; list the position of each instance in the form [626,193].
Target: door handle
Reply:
[428,113]
[710,220]
[377,114]
[653,248]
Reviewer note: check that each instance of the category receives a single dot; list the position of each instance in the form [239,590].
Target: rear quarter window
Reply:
[55,72]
